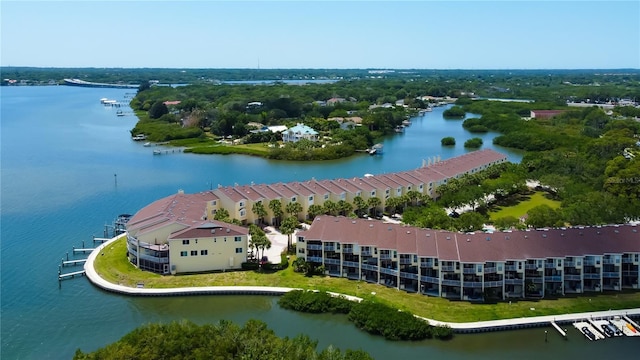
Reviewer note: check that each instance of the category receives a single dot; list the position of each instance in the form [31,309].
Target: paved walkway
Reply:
[477,326]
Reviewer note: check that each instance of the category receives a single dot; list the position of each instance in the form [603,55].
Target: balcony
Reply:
[347,250]
[314,247]
[490,270]
[513,281]
[429,279]
[531,266]
[350,264]
[553,278]
[451,282]
[473,284]
[592,276]
[329,248]
[365,252]
[315,259]
[409,275]
[385,256]
[332,261]
[389,271]
[611,275]
[369,267]
[573,277]
[449,268]
[469,270]
[405,261]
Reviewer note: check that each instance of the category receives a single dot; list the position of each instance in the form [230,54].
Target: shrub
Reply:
[250,266]
[473,143]
[448,141]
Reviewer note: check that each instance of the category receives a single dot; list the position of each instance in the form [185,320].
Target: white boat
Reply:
[376,149]
[157,152]
[406,122]
[139,137]
[147,144]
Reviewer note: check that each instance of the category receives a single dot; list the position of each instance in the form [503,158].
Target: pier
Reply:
[562,332]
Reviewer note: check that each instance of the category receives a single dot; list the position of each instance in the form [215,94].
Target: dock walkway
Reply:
[469,327]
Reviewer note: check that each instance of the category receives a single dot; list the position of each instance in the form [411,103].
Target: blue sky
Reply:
[322,34]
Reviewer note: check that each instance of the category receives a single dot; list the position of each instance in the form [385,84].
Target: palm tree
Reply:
[414,197]
[344,207]
[294,208]
[288,227]
[315,210]
[276,207]
[259,211]
[330,207]
[373,203]
[393,203]
[359,204]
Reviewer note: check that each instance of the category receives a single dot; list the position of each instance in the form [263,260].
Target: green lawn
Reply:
[524,204]
[113,266]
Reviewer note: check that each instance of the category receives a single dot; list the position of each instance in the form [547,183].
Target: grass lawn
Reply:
[114,267]
[524,203]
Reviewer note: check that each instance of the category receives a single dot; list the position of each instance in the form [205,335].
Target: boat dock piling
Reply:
[97,239]
[70,275]
[562,332]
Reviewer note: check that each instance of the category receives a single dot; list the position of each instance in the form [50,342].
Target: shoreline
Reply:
[462,327]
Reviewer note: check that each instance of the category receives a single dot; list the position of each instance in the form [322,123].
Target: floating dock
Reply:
[588,330]
[624,326]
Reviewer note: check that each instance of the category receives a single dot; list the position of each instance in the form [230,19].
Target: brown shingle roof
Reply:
[477,247]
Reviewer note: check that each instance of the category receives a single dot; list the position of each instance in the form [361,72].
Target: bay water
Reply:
[69,166]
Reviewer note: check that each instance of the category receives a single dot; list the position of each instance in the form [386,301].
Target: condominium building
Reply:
[475,266]
[174,235]
[239,200]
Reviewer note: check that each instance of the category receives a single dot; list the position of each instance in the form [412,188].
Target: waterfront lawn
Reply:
[523,205]
[114,267]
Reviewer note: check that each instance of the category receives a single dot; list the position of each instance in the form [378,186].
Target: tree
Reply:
[542,216]
[470,221]
[222,215]
[294,208]
[359,204]
[373,203]
[473,143]
[288,227]
[448,141]
[158,109]
[259,211]
[393,203]
[276,208]
[315,210]
[344,207]
[330,207]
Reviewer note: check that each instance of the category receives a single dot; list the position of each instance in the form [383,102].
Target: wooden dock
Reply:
[73,262]
[83,250]
[64,276]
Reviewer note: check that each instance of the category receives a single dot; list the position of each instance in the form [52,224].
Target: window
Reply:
[293,199]
[387,192]
[301,251]
[225,239]
[243,212]
[237,238]
[214,202]
[359,193]
[373,193]
[241,204]
[311,198]
[343,196]
[300,239]
[204,252]
[194,252]
[326,196]
[238,250]
[185,242]
[183,253]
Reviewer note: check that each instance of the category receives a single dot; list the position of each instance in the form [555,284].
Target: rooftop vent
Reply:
[228,230]
[428,235]
[353,221]
[213,231]
[408,232]
[488,238]
[544,235]
[370,225]
[468,240]
[448,237]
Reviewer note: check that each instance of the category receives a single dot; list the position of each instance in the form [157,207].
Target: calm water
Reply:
[60,149]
